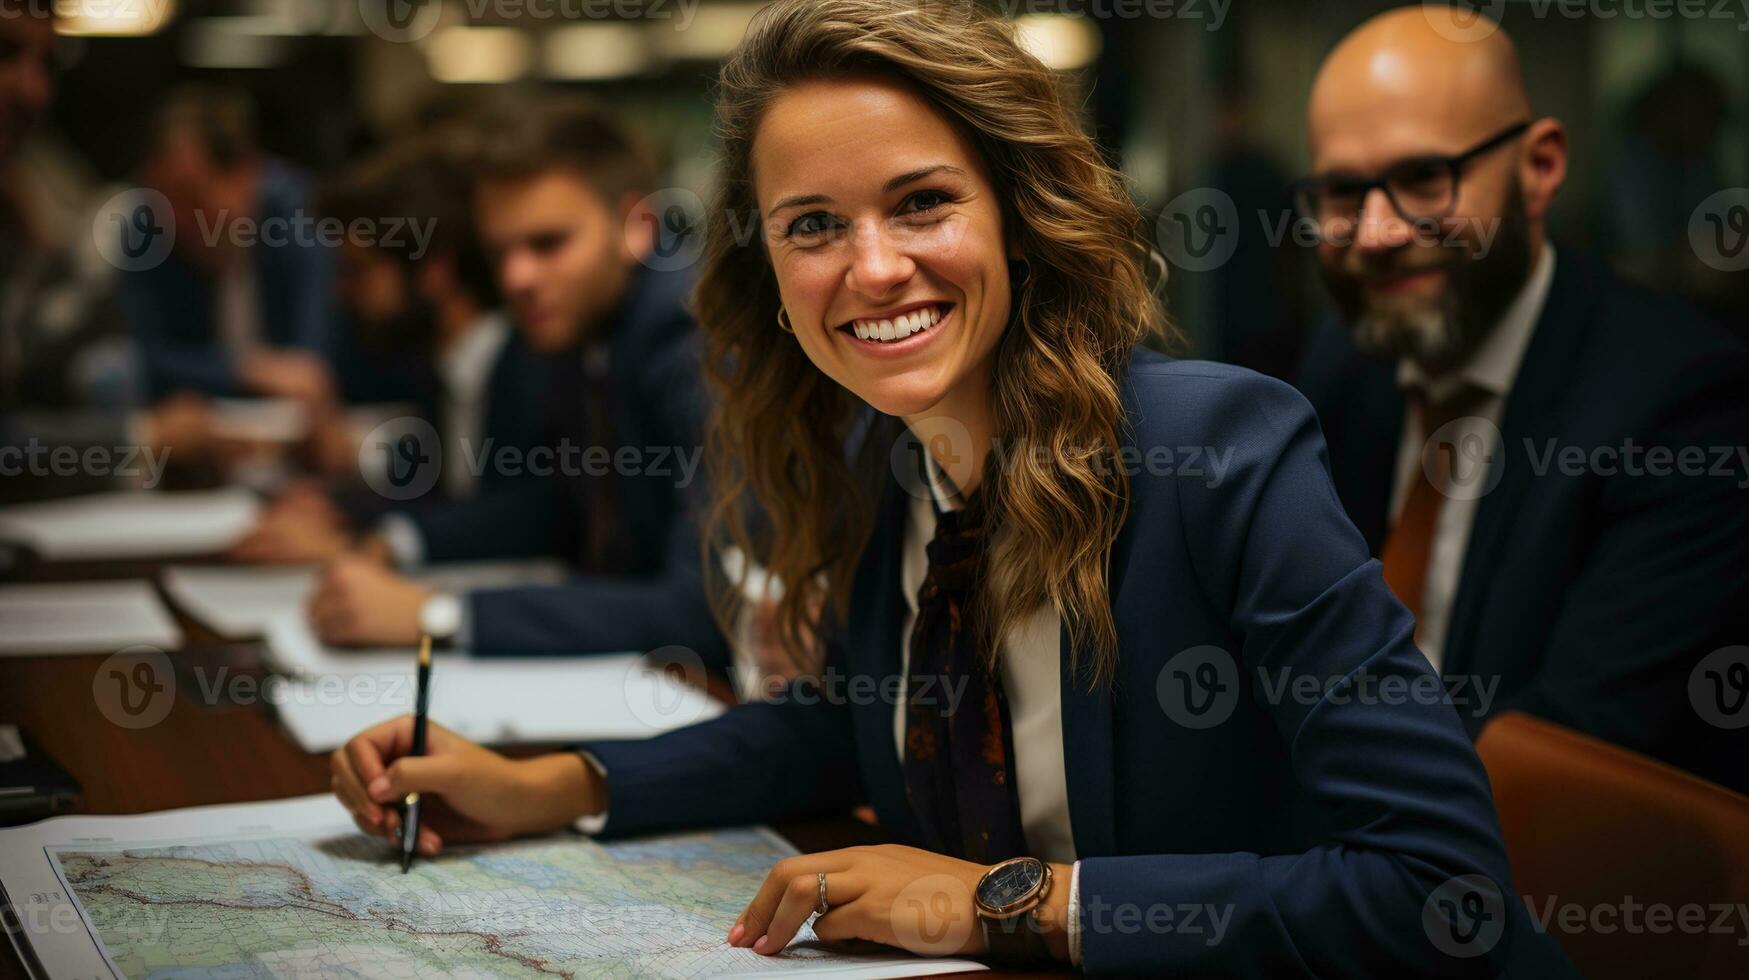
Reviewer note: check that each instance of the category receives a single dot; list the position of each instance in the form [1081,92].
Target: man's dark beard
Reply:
[1477,292]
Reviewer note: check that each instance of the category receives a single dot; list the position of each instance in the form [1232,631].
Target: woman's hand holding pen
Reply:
[468,793]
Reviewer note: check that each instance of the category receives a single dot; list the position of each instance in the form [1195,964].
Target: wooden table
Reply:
[201,753]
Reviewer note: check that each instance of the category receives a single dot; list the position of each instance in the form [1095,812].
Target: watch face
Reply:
[1009,883]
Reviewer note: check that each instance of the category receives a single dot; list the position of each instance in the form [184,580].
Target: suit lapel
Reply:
[877,611]
[1088,757]
[1088,711]
[1533,414]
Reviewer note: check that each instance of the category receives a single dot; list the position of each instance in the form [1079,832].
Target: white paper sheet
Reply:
[279,420]
[291,888]
[84,617]
[132,524]
[337,693]
[240,601]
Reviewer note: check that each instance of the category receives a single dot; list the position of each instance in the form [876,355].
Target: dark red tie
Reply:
[959,746]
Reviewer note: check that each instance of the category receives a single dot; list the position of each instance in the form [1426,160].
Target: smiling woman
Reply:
[1099,705]
[910,159]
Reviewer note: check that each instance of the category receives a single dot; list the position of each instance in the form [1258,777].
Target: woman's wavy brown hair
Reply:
[1056,500]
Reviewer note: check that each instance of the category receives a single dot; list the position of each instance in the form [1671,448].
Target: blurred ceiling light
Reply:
[713,32]
[122,18]
[297,18]
[594,51]
[479,54]
[1061,41]
[231,42]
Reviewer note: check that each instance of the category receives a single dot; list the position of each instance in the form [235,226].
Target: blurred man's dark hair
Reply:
[27,70]
[422,181]
[221,121]
[516,141]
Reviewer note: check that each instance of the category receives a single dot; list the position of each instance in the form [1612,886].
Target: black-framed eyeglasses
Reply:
[1420,188]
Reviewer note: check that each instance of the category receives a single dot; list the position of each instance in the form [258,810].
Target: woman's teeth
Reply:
[899,327]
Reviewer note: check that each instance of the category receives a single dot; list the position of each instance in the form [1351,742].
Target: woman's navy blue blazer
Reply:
[1277,783]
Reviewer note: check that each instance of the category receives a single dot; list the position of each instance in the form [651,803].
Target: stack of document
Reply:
[132,524]
[326,694]
[238,602]
[263,420]
[85,617]
[333,694]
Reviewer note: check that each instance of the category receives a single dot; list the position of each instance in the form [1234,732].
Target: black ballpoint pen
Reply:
[410,808]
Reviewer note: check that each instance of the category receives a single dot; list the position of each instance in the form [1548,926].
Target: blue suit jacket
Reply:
[1586,597]
[169,308]
[516,389]
[1322,821]
[656,597]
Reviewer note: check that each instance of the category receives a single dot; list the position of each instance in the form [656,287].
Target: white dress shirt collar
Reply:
[942,490]
[466,364]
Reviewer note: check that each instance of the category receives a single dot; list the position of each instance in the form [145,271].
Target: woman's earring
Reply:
[783,321]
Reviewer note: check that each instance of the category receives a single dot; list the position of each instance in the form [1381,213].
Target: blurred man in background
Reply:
[557,199]
[67,374]
[244,303]
[419,295]
[27,69]
[1548,461]
[60,347]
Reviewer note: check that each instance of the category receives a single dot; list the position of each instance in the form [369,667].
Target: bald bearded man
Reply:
[1549,462]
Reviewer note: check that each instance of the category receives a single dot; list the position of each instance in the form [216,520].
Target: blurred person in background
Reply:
[244,303]
[1475,361]
[60,342]
[68,377]
[1665,164]
[1254,307]
[558,203]
[418,292]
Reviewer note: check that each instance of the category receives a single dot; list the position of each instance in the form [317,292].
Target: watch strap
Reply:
[1017,940]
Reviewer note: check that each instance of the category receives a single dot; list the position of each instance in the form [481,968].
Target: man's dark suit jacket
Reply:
[654,596]
[514,414]
[170,307]
[1590,596]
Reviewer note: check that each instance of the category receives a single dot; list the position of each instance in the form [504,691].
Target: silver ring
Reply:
[821,907]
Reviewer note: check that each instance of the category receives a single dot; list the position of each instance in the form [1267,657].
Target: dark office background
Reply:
[1198,95]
